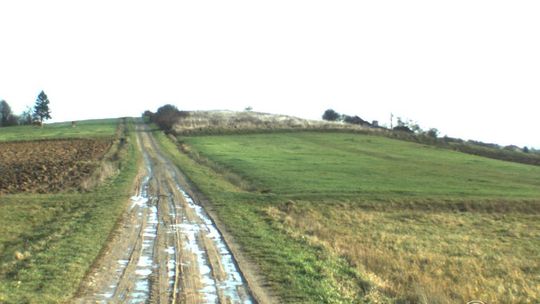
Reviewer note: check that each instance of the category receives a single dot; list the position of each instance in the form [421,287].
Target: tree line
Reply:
[409,130]
[406,126]
[35,115]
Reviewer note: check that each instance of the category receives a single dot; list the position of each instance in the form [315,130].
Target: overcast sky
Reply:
[469,68]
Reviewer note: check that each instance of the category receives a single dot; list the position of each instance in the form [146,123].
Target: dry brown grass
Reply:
[428,257]
[230,121]
[109,165]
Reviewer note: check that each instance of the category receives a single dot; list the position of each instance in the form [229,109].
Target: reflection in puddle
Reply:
[233,287]
[145,265]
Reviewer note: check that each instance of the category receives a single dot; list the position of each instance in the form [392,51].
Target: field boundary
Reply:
[111,163]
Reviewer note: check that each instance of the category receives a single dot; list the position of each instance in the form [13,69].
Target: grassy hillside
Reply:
[338,165]
[49,241]
[247,122]
[84,129]
[341,218]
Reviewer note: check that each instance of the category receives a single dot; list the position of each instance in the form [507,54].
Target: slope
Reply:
[339,217]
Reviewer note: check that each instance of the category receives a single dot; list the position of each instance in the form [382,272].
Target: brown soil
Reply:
[48,166]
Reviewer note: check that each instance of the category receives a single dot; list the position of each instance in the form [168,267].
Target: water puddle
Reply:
[140,201]
[171,250]
[191,233]
[234,286]
[145,263]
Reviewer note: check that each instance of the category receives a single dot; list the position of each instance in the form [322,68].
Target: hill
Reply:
[230,122]
[209,122]
[347,217]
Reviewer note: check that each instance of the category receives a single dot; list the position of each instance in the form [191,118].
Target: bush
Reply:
[355,120]
[433,133]
[166,116]
[148,116]
[331,115]
[403,129]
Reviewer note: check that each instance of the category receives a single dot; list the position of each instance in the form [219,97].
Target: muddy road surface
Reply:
[166,249]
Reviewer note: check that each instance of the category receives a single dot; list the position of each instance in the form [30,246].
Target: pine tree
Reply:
[41,108]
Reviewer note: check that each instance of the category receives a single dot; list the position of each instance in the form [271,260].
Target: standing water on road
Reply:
[168,249]
[233,286]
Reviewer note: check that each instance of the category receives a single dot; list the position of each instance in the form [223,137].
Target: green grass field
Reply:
[337,165]
[84,129]
[345,218]
[49,241]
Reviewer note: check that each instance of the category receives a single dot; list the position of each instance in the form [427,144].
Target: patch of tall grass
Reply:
[427,257]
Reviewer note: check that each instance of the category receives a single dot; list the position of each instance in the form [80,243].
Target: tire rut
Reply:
[168,250]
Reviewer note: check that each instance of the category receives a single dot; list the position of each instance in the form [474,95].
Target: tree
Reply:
[5,110]
[41,108]
[331,115]
[26,117]
[7,118]
[148,116]
[166,116]
[12,120]
[433,133]
[407,126]
[403,128]
[355,120]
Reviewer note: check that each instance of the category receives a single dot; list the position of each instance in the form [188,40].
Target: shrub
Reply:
[331,115]
[148,116]
[403,129]
[355,120]
[166,116]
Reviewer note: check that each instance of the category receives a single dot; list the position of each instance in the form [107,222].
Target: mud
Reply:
[48,166]
[167,249]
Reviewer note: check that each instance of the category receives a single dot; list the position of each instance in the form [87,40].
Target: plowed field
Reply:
[48,166]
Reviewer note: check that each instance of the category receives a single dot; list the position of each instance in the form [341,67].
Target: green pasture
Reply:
[83,129]
[351,218]
[332,165]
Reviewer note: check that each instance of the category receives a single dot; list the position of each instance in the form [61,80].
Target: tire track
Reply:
[169,250]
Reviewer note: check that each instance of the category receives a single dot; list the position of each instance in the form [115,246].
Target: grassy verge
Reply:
[337,217]
[49,241]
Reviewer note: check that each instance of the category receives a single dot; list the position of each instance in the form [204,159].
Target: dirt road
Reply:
[167,249]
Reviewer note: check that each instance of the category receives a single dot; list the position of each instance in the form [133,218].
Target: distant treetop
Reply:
[331,115]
